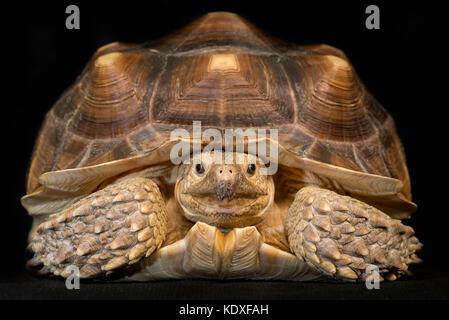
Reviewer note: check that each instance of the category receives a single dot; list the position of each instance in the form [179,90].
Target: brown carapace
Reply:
[114,123]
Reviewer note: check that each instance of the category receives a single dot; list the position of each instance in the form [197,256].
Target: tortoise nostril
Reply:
[225,171]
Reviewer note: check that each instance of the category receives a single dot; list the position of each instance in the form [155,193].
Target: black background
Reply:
[401,64]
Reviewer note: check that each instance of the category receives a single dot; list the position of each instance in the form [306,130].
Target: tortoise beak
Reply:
[226,178]
[224,190]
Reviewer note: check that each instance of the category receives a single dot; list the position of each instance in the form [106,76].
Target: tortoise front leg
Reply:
[341,236]
[109,229]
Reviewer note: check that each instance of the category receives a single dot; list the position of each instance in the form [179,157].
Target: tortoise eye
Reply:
[251,169]
[199,168]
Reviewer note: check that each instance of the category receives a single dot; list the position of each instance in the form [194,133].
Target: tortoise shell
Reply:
[224,72]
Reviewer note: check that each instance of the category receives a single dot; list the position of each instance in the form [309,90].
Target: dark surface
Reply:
[425,284]
[401,64]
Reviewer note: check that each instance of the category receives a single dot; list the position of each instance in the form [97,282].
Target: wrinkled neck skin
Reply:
[226,194]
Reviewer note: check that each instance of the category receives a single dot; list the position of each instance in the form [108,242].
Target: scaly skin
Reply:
[341,236]
[110,229]
[221,221]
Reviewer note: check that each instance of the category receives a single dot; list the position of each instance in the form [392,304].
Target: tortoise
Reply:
[107,197]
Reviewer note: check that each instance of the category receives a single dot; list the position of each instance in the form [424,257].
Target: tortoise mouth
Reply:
[228,206]
[227,213]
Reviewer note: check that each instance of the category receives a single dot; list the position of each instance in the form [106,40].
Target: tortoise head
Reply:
[224,189]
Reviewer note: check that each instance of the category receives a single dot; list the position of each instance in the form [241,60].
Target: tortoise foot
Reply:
[347,239]
[110,229]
